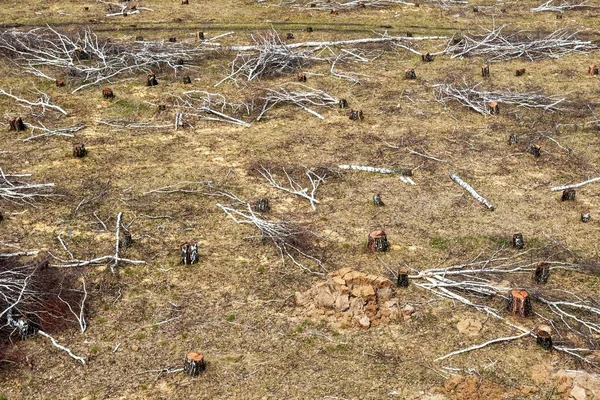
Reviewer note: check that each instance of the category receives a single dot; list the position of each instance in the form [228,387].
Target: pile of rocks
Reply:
[354,298]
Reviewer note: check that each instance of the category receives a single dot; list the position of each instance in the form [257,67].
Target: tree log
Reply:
[471,191]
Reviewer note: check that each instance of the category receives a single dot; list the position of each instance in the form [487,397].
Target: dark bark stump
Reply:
[162,107]
[512,140]
[377,200]
[403,277]
[1,216]
[559,16]
[16,124]
[568,195]
[172,39]
[139,38]
[79,150]
[544,339]
[262,206]
[183,2]
[410,74]
[519,303]
[187,80]
[542,272]
[593,70]
[180,61]
[301,77]
[520,72]
[427,58]
[485,71]
[343,103]
[126,240]
[200,35]
[334,11]
[59,82]
[517,241]
[356,115]
[107,93]
[189,253]
[377,241]
[151,79]
[535,150]
[361,4]
[309,29]
[289,36]
[586,216]
[194,364]
[494,108]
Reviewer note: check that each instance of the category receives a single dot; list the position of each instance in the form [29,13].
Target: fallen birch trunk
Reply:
[471,191]
[575,185]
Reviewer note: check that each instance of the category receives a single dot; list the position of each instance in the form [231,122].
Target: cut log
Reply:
[471,191]
[189,253]
[544,339]
[403,277]
[542,272]
[575,185]
[377,241]
[586,215]
[519,303]
[568,195]
[377,200]
[517,241]
[194,364]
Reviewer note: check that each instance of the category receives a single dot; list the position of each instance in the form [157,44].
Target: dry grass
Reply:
[235,305]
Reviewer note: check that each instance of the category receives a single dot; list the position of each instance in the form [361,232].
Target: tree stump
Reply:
[403,277]
[593,70]
[151,79]
[334,11]
[356,115]
[194,364]
[162,107]
[301,77]
[200,35]
[139,38]
[427,57]
[520,72]
[309,29]
[289,36]
[361,4]
[1,216]
[535,150]
[172,39]
[107,93]
[126,240]
[377,200]
[187,80]
[485,71]
[262,206]
[541,274]
[377,241]
[189,253]
[586,215]
[343,103]
[410,74]
[517,241]
[519,303]
[544,339]
[494,108]
[179,61]
[568,195]
[183,2]
[59,82]
[16,124]
[512,140]
[559,16]
[79,150]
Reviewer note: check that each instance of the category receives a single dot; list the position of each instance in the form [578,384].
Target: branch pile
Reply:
[551,6]
[494,45]
[305,98]
[479,100]
[340,5]
[211,106]
[13,189]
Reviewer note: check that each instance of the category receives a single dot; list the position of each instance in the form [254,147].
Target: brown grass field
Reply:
[236,305]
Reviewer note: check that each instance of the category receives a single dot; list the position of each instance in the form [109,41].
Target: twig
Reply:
[61,347]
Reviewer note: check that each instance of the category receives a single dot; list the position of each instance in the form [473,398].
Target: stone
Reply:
[324,297]
[564,384]
[577,393]
[469,327]
[365,322]
[342,302]
[364,291]
[135,347]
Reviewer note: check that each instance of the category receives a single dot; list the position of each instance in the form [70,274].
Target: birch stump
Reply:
[403,277]
[542,272]
[544,338]
[194,364]
[377,241]
[518,242]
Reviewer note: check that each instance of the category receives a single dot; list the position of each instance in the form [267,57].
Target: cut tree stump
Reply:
[187,80]
[485,71]
[403,277]
[535,150]
[517,241]
[289,36]
[356,115]
[79,150]
[586,215]
[107,93]
[262,206]
[410,74]
[301,77]
[151,79]
[568,195]
[172,39]
[343,103]
[377,200]
[194,364]
[200,35]
[544,339]
[519,303]
[377,241]
[427,57]
[593,70]
[520,72]
[542,272]
[16,124]
[493,108]
[59,82]
[512,140]
[126,240]
[189,253]
[139,38]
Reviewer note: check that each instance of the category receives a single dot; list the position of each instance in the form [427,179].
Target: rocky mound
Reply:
[354,298]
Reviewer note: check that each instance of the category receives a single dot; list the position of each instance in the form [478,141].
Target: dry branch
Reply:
[14,190]
[495,46]
[43,102]
[471,191]
[47,132]
[551,6]
[305,99]
[480,100]
[341,5]
[574,185]
[210,107]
